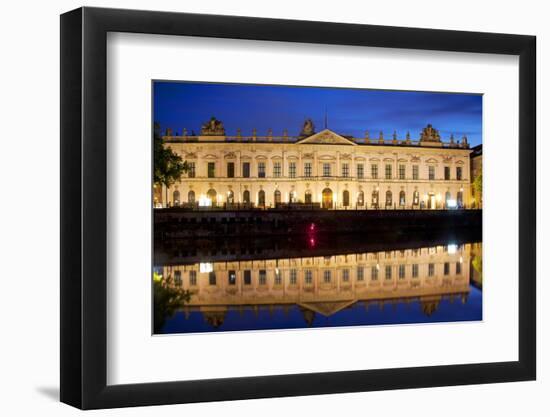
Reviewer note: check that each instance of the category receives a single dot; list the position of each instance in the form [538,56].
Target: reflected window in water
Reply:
[360,272]
[293,276]
[232,277]
[262,277]
[446,268]
[326,276]
[431,270]
[212,278]
[415,270]
[401,271]
[388,271]
[247,277]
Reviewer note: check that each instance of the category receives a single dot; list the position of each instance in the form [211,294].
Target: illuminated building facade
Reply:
[322,169]
[326,284]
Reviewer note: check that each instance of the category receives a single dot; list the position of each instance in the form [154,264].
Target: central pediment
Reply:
[326,137]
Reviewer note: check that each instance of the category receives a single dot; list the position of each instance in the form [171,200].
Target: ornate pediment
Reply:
[326,137]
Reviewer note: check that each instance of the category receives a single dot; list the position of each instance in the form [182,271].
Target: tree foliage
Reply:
[478,183]
[166,300]
[168,167]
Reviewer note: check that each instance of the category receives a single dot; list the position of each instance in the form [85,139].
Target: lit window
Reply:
[308,276]
[278,278]
[232,277]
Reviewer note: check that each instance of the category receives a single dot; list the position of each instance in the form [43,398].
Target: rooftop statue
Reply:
[308,129]
[429,134]
[213,127]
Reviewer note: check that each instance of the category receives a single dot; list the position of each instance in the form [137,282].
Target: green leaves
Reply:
[168,167]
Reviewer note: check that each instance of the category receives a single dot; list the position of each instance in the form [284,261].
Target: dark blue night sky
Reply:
[181,105]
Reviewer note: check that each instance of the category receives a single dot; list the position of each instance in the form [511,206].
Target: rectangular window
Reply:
[191,172]
[388,172]
[415,271]
[345,170]
[278,279]
[246,169]
[401,172]
[211,169]
[262,277]
[431,270]
[261,169]
[431,173]
[212,278]
[192,278]
[458,268]
[459,173]
[293,276]
[232,277]
[177,278]
[388,271]
[360,171]
[247,277]
[401,271]
[230,169]
[374,273]
[292,170]
[308,276]
[307,169]
[374,171]
[326,170]
[345,275]
[277,169]
[415,172]
[326,276]
[447,172]
[446,268]
[360,273]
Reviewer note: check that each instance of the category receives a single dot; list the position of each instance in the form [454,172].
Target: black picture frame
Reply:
[84,207]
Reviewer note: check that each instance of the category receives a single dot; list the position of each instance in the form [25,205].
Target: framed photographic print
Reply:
[258,208]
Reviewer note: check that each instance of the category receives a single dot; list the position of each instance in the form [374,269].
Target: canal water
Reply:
[315,281]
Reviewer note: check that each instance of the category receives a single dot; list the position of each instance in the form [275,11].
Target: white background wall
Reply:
[29,218]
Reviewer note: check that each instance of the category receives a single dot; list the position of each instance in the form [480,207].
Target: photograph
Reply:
[301,207]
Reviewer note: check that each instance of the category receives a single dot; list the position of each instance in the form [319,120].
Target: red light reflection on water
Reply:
[311,235]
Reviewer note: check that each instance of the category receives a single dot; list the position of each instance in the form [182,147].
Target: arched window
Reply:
[388,198]
[176,198]
[277,197]
[191,196]
[292,197]
[327,198]
[460,199]
[211,194]
[447,198]
[374,201]
[261,198]
[307,198]
[230,197]
[246,197]
[401,198]
[416,198]
[361,198]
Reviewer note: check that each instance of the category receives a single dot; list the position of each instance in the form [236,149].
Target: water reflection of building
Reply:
[327,284]
[321,168]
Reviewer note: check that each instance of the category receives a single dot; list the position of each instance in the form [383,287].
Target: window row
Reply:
[327,171]
[327,274]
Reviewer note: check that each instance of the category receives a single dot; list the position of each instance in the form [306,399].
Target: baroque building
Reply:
[318,169]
